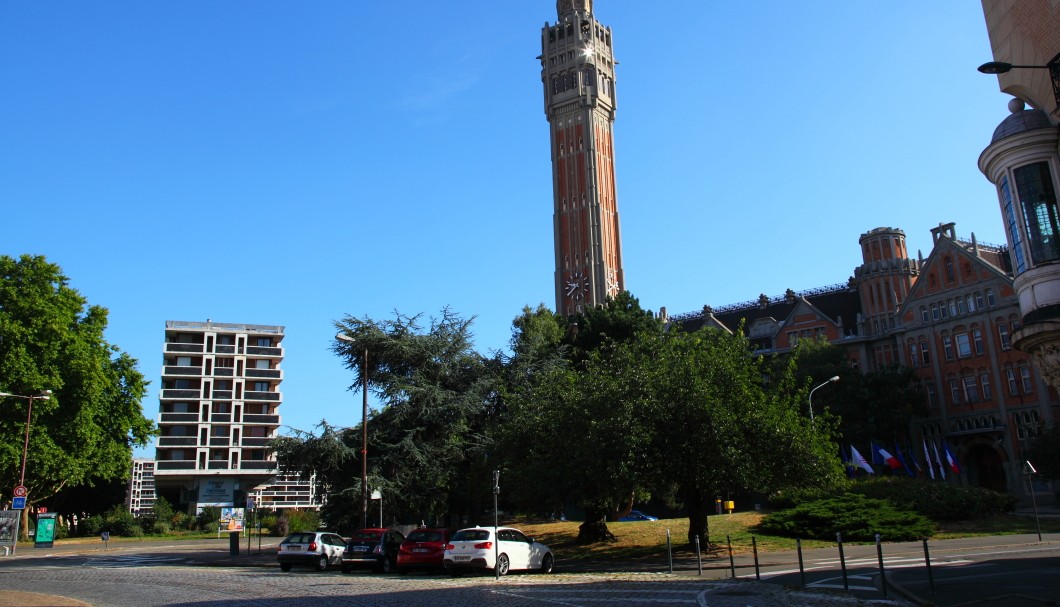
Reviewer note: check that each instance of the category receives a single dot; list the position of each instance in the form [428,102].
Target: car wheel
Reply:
[322,563]
[502,565]
[285,566]
[547,564]
[385,566]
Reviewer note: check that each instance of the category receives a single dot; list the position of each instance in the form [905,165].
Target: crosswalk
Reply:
[131,560]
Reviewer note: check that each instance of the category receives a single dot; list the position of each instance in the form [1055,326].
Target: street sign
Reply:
[41,509]
[20,491]
[18,503]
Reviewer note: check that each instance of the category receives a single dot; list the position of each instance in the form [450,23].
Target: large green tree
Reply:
[427,446]
[52,339]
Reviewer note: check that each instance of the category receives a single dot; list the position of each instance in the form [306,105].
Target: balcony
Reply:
[217,464]
[176,464]
[257,418]
[181,370]
[172,393]
[264,351]
[267,373]
[226,349]
[252,395]
[222,395]
[258,465]
[220,418]
[175,347]
[173,418]
[220,441]
[223,371]
[254,441]
[176,441]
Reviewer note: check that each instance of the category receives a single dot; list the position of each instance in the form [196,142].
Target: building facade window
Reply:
[964,345]
[955,391]
[971,389]
[934,311]
[1009,211]
[1013,386]
[924,314]
[1025,376]
[1034,187]
[1002,332]
[984,383]
[947,346]
[977,341]
[925,355]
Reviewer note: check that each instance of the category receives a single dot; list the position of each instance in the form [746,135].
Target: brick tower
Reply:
[578,72]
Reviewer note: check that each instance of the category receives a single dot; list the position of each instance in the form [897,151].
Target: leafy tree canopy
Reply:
[51,339]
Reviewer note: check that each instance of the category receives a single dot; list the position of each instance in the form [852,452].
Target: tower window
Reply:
[1034,186]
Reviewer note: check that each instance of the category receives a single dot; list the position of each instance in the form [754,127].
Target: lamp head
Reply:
[995,67]
[834,378]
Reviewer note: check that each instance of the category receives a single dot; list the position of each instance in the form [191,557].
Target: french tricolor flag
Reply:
[887,458]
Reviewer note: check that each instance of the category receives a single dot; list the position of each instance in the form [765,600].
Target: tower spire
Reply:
[567,6]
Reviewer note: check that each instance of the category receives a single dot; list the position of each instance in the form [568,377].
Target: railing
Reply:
[218,465]
[170,418]
[224,349]
[224,326]
[222,395]
[223,371]
[220,442]
[177,347]
[176,464]
[252,395]
[259,418]
[270,373]
[258,465]
[254,441]
[171,393]
[220,418]
[264,351]
[176,441]
[181,370]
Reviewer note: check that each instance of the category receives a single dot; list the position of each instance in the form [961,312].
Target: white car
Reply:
[318,549]
[477,549]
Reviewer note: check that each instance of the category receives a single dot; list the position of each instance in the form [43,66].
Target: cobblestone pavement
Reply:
[149,585]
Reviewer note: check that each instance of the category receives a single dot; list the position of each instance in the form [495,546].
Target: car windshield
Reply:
[425,536]
[365,536]
[471,535]
[300,538]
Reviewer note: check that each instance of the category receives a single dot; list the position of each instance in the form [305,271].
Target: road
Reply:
[1004,571]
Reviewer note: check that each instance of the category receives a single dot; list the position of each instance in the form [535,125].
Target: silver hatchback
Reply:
[317,549]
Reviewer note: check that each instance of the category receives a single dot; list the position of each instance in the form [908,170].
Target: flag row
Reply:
[906,460]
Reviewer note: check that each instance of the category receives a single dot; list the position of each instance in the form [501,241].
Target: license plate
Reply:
[420,550]
[293,548]
[461,558]
[358,548]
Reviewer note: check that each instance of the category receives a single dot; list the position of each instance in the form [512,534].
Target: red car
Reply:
[423,548]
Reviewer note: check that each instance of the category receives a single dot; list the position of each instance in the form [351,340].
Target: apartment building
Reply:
[140,495]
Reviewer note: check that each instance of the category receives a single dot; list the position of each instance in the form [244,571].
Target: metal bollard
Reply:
[754,548]
[842,560]
[927,561]
[669,551]
[802,570]
[699,558]
[732,563]
[879,557]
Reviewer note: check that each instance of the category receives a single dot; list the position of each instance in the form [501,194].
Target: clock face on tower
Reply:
[577,285]
[612,283]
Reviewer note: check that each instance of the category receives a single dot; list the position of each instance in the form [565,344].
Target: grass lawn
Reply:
[648,538]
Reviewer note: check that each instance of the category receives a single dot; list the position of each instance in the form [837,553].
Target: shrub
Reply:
[857,517]
[793,496]
[302,520]
[208,518]
[935,500]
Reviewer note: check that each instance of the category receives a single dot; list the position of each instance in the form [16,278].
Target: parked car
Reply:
[637,515]
[423,548]
[474,549]
[376,548]
[318,549]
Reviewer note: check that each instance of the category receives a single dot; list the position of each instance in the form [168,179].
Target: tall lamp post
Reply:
[832,379]
[364,431]
[44,395]
[1001,67]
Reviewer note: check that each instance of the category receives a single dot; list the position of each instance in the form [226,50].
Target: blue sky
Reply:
[290,163]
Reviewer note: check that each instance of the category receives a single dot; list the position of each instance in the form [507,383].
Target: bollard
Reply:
[754,548]
[802,570]
[669,551]
[732,563]
[927,561]
[699,558]
[879,557]
[842,560]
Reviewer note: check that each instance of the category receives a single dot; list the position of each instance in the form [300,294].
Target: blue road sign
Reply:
[18,503]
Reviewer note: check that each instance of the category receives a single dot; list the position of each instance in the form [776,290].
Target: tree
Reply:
[330,458]
[619,320]
[428,441]
[51,339]
[724,418]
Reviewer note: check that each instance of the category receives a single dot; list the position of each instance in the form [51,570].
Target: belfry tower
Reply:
[578,72]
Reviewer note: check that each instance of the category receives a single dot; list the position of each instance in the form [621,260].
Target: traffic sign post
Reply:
[20,491]
[18,503]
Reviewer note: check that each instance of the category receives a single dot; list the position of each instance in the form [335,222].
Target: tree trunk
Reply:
[697,518]
[594,529]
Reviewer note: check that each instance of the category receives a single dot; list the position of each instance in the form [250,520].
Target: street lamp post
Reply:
[44,395]
[809,399]
[364,431]
[1001,67]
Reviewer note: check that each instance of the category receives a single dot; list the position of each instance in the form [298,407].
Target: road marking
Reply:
[131,561]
